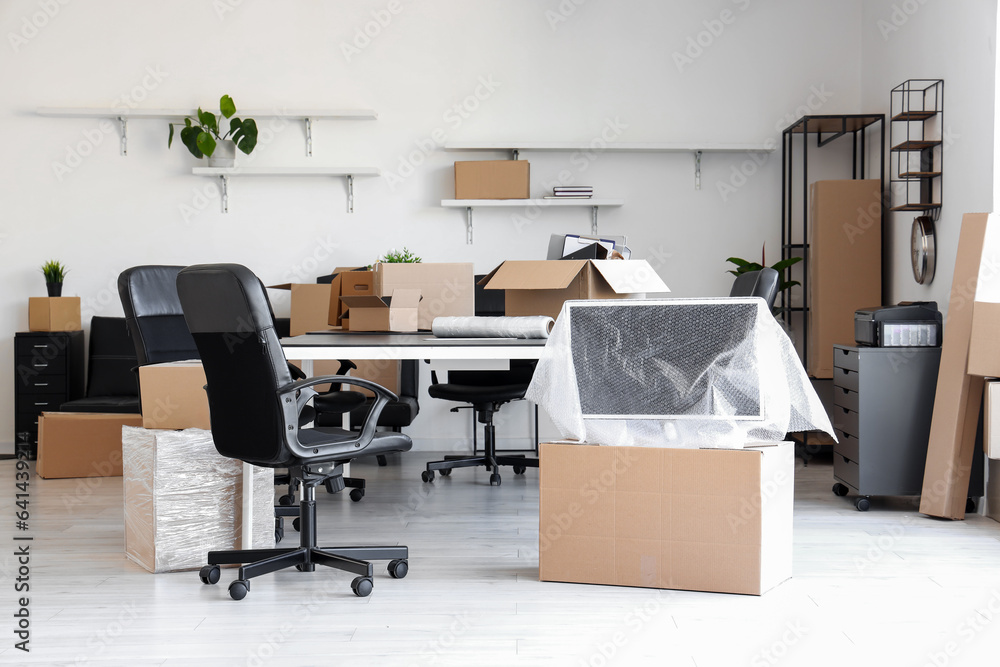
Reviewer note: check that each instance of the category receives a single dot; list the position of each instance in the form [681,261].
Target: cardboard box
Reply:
[54,313]
[310,309]
[991,421]
[845,264]
[383,313]
[540,287]
[349,281]
[173,396]
[81,444]
[691,519]
[447,289]
[492,179]
[184,499]
[958,396]
[984,343]
[384,372]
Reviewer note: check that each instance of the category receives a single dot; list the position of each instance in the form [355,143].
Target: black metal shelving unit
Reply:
[795,153]
[916,140]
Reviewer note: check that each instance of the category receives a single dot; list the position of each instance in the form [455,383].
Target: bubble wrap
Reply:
[184,499]
[687,373]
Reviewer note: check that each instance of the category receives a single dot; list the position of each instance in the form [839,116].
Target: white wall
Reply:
[929,39]
[562,70]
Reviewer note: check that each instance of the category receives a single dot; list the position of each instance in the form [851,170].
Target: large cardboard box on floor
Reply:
[310,309]
[691,519]
[540,287]
[845,264]
[173,396]
[447,289]
[492,179]
[383,313]
[184,499]
[81,444]
[54,313]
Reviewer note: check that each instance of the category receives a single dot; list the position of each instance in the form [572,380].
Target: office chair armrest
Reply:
[378,389]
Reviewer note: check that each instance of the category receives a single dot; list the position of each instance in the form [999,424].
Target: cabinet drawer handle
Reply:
[41,384]
[40,365]
[46,403]
[40,346]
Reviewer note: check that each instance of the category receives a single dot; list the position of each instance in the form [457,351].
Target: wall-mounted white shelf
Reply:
[469,204]
[695,148]
[124,115]
[226,172]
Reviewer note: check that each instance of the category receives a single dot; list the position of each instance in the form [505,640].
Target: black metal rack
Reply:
[916,135]
[827,128]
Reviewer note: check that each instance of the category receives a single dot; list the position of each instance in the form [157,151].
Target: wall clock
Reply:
[923,249]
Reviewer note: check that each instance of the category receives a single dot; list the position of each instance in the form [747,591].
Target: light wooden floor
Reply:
[888,587]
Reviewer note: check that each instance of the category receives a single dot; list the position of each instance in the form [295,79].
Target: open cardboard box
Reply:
[691,519]
[347,281]
[540,287]
[447,289]
[310,307]
[374,313]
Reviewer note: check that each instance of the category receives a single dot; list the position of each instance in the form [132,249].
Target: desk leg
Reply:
[247,541]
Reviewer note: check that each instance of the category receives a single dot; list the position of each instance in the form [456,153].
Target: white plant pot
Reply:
[224,154]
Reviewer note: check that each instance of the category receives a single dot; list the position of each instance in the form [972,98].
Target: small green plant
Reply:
[743,266]
[404,257]
[54,271]
[202,136]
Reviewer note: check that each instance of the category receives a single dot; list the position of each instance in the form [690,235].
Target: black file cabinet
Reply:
[883,402]
[48,371]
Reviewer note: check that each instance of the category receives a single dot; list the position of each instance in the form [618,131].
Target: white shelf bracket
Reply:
[468,225]
[593,220]
[350,193]
[309,136]
[225,193]
[697,170]
[123,125]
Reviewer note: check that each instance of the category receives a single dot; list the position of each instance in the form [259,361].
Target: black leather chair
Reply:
[255,405]
[763,283]
[112,386]
[486,391]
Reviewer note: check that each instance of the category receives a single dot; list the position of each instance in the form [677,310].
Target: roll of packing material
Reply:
[492,327]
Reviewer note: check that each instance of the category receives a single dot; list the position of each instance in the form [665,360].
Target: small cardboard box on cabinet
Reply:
[690,519]
[54,313]
[184,499]
[81,444]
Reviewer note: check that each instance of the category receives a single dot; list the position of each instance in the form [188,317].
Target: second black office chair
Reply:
[763,283]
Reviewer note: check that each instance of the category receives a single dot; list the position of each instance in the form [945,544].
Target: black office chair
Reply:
[255,405]
[763,283]
[486,391]
[112,386]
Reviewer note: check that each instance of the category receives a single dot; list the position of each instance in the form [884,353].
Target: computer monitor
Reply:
[666,358]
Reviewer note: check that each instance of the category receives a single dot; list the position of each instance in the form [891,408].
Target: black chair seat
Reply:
[468,393]
[113,404]
[381,443]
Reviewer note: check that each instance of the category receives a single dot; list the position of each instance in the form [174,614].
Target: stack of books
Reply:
[572,192]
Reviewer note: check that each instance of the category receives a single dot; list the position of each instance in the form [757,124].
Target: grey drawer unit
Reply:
[48,371]
[883,401]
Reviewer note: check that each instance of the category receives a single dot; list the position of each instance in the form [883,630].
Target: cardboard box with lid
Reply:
[492,179]
[54,313]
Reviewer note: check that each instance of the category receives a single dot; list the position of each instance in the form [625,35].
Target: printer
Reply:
[908,324]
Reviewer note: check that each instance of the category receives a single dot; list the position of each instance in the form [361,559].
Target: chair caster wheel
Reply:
[279,534]
[381,461]
[357,494]
[210,574]
[286,500]
[362,587]
[296,523]
[863,504]
[239,589]
[427,476]
[970,506]
[445,472]
[495,479]
[519,470]
[839,489]
[398,568]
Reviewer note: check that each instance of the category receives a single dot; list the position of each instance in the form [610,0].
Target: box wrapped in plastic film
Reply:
[184,499]
[689,373]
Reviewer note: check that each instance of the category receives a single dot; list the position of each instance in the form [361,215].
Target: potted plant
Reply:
[204,137]
[54,273]
[396,257]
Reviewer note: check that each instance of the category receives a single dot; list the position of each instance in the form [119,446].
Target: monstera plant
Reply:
[203,135]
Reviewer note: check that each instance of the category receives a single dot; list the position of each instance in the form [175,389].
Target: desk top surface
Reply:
[419,339]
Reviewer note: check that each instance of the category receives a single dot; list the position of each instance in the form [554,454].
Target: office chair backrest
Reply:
[154,315]
[112,358]
[227,312]
[762,283]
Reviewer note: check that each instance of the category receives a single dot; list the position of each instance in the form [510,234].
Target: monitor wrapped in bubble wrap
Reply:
[694,373]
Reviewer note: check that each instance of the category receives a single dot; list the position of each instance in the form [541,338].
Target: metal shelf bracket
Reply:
[697,177]
[225,193]
[468,225]
[593,220]
[350,193]
[309,136]
[123,124]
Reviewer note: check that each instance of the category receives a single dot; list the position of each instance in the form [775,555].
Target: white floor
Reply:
[887,587]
